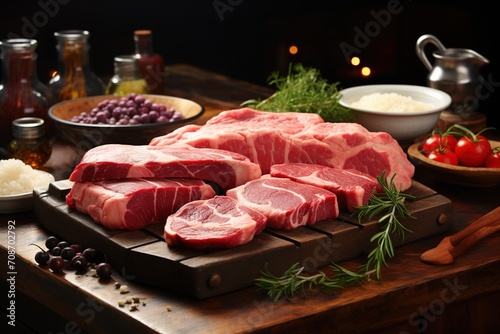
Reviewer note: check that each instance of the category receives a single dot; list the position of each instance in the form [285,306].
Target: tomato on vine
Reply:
[472,149]
[444,156]
[438,141]
[493,160]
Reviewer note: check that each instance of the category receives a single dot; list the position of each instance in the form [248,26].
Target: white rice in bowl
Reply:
[18,178]
[390,102]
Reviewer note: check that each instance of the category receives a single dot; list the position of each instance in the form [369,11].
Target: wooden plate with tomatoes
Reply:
[459,175]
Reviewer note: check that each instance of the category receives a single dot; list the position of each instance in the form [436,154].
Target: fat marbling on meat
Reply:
[132,204]
[269,138]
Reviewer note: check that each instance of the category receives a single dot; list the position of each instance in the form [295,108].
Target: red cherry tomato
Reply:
[472,152]
[437,141]
[493,160]
[444,156]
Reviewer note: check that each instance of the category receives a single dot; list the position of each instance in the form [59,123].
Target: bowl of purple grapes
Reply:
[131,119]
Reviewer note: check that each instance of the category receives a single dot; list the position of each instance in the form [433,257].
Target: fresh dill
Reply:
[304,90]
[391,206]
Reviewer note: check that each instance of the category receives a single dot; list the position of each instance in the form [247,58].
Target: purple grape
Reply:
[153,116]
[145,118]
[101,117]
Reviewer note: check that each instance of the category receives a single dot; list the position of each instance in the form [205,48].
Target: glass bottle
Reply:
[30,144]
[21,93]
[74,77]
[127,78]
[151,64]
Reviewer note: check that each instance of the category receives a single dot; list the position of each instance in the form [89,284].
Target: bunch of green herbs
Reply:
[303,90]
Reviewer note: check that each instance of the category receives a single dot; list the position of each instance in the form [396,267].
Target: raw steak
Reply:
[287,204]
[113,161]
[352,187]
[275,138]
[219,222]
[134,203]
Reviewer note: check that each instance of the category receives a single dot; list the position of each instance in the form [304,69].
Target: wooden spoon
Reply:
[458,243]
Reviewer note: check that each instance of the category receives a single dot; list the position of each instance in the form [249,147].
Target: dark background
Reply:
[249,40]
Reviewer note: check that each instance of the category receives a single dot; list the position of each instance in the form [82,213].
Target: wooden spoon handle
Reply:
[492,218]
[473,238]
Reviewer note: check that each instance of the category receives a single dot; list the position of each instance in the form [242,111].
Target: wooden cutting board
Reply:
[143,256]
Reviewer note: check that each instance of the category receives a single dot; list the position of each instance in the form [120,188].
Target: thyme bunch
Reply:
[303,90]
[391,205]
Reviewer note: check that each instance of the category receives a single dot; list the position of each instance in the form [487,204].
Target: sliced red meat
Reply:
[275,138]
[135,203]
[113,161]
[219,222]
[352,187]
[287,204]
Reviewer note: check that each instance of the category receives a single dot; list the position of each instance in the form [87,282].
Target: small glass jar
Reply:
[127,78]
[74,77]
[30,144]
[151,64]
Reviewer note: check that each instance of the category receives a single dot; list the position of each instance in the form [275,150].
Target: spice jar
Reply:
[30,144]
[21,93]
[127,78]
[151,64]
[74,77]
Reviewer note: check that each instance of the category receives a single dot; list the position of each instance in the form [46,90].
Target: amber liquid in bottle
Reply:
[30,144]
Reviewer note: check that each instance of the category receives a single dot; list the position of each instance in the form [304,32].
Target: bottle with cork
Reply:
[151,64]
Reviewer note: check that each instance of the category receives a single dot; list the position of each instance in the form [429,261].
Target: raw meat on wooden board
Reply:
[352,187]
[219,222]
[286,204]
[135,203]
[269,138]
[115,161]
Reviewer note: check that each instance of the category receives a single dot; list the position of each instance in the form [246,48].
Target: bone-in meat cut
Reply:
[135,203]
[269,138]
[286,204]
[116,161]
[352,187]
[219,222]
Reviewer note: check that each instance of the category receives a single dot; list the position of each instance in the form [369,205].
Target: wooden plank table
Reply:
[412,296]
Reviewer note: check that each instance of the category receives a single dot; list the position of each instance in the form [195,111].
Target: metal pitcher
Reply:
[454,71]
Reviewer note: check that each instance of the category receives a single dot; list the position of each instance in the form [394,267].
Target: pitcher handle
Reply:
[421,43]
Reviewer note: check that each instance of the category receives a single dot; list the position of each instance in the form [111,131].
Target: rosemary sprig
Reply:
[391,204]
[303,90]
[292,282]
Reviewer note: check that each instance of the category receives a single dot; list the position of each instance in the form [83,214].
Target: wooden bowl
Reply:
[458,175]
[86,136]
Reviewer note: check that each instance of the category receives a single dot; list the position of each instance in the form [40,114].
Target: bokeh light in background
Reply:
[293,49]
[366,71]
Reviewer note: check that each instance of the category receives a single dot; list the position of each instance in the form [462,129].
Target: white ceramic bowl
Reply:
[404,126]
[19,202]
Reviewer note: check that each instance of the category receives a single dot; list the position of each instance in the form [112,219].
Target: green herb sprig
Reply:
[304,90]
[391,204]
[292,282]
